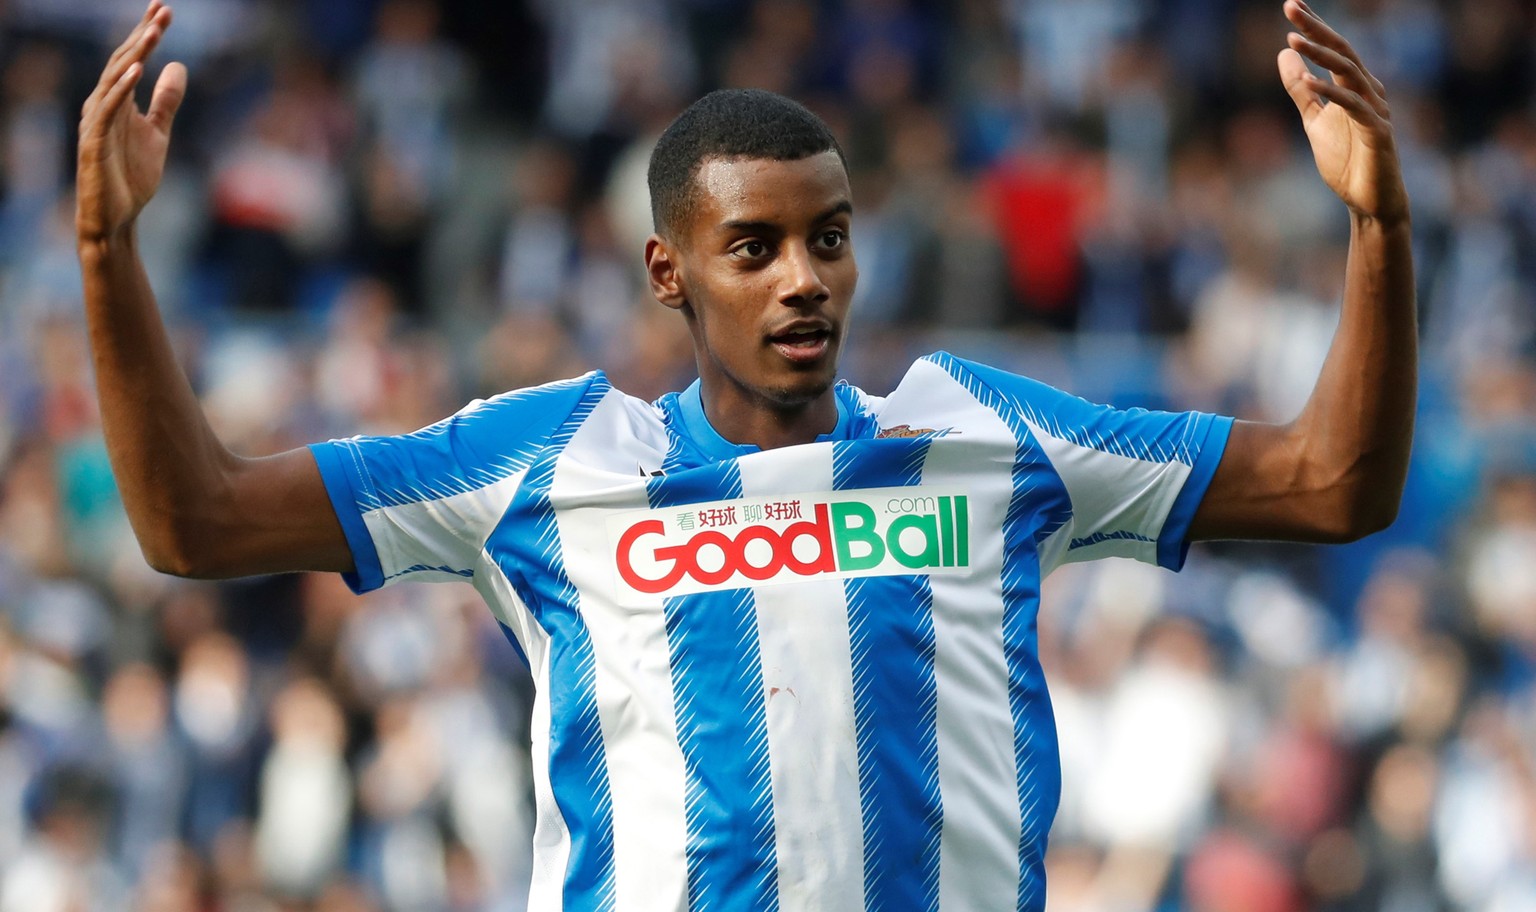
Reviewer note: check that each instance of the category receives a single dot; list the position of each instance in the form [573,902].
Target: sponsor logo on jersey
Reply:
[761,541]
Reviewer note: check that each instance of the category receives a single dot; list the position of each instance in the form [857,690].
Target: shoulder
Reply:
[976,376]
[538,405]
[498,433]
[941,380]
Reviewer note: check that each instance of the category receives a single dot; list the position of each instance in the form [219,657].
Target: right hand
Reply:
[122,149]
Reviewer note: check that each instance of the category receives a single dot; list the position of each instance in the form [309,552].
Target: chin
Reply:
[801,391]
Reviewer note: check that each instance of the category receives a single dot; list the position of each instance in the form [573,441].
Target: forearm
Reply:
[1357,427]
[169,466]
[1336,472]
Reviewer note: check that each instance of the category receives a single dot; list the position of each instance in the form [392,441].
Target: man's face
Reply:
[764,270]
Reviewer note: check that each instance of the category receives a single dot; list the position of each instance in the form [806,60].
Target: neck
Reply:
[743,418]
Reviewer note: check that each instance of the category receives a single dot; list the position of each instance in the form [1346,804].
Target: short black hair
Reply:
[729,123]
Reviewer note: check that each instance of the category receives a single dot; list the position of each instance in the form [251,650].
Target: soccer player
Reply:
[783,631]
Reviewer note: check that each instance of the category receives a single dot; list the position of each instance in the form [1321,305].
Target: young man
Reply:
[782,630]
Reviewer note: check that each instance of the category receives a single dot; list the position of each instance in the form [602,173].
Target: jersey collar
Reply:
[690,406]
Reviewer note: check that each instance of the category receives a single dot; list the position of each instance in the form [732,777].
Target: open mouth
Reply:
[802,345]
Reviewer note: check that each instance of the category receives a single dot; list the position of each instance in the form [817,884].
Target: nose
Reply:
[801,283]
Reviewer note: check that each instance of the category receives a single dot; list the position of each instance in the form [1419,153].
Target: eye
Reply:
[833,238]
[753,249]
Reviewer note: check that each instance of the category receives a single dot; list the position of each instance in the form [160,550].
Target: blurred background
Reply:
[377,209]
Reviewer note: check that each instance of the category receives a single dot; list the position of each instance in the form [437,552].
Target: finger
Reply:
[113,73]
[1344,98]
[1338,64]
[128,55]
[170,89]
[1294,76]
[112,102]
[1319,32]
[137,30]
[1345,71]
[136,47]
[1313,26]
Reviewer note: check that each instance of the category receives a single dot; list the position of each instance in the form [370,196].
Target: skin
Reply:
[1336,473]
[765,252]
[197,509]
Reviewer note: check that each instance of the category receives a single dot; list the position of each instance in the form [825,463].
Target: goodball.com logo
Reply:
[761,541]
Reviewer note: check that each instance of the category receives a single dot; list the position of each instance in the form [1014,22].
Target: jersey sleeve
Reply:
[420,506]
[1134,477]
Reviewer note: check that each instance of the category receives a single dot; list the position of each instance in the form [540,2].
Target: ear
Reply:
[663,268]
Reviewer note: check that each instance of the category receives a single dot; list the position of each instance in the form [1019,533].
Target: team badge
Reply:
[907,430]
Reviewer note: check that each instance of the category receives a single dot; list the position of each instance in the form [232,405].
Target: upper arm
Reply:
[1269,487]
[416,505]
[278,518]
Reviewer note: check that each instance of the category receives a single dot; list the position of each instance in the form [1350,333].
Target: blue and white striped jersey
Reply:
[803,678]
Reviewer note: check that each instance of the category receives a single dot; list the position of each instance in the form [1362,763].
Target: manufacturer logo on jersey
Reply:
[753,542]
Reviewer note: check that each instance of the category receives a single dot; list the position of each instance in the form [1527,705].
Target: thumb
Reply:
[170,89]
[1293,75]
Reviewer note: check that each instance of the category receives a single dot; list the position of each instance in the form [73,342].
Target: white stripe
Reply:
[978,846]
[599,473]
[808,695]
[551,838]
[447,532]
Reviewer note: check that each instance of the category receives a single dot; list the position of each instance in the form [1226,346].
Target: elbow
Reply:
[186,533]
[1349,493]
[178,552]
[173,562]
[1377,514]
[1376,495]
[1361,513]
[1360,527]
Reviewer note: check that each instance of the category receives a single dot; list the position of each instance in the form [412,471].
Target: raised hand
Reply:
[122,150]
[1347,120]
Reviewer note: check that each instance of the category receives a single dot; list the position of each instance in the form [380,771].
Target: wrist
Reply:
[1384,223]
[95,247]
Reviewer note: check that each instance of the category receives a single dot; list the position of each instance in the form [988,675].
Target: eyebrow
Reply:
[840,208]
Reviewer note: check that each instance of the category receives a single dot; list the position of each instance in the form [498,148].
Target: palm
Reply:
[132,163]
[1348,158]
[122,150]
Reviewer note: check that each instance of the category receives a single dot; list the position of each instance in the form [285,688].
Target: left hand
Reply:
[1347,120]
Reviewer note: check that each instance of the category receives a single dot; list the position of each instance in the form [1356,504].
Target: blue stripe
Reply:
[1099,538]
[428,568]
[477,447]
[1038,507]
[895,705]
[527,548]
[517,646]
[1173,541]
[1134,433]
[345,483]
[723,730]
[895,701]
[722,725]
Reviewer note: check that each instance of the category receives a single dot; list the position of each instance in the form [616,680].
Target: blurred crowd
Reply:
[377,209]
